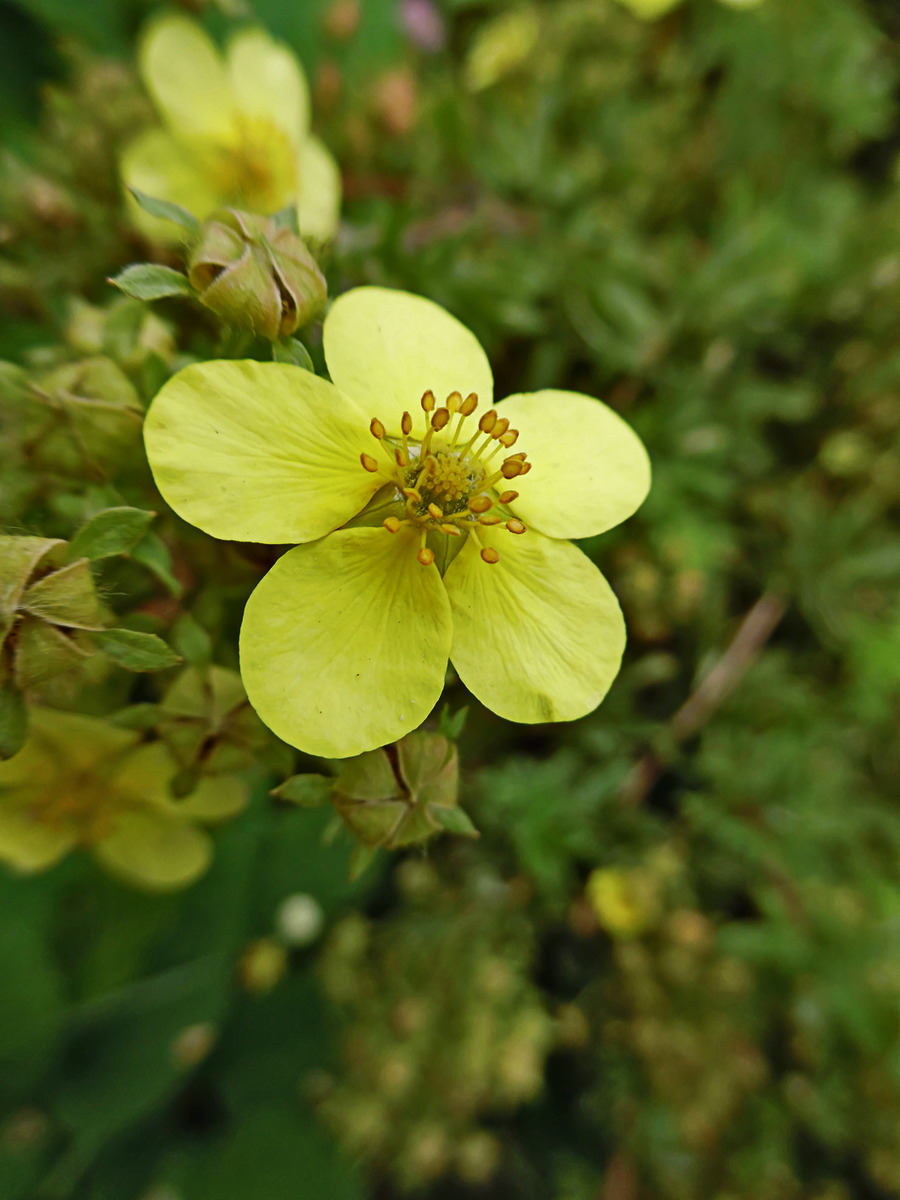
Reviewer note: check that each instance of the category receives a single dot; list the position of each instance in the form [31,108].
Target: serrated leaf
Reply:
[309,791]
[13,720]
[136,651]
[166,210]
[151,281]
[291,350]
[112,531]
[67,597]
[454,820]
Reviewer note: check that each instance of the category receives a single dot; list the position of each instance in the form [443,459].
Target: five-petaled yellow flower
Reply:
[236,131]
[81,781]
[425,532]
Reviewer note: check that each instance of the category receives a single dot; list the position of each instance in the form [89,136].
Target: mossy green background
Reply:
[698,220]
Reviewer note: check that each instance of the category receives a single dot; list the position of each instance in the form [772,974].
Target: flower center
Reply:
[81,804]
[449,486]
[258,168]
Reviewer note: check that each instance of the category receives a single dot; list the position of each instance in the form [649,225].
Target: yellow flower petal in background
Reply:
[267,83]
[591,470]
[537,636]
[318,191]
[649,10]
[215,798]
[159,164]
[345,642]
[261,452]
[385,348]
[155,849]
[27,845]
[187,79]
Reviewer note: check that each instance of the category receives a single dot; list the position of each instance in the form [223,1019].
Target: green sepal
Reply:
[43,652]
[112,531]
[153,553]
[66,597]
[451,725]
[137,716]
[150,281]
[361,859]
[13,719]
[136,651]
[291,350]
[454,820]
[166,210]
[309,791]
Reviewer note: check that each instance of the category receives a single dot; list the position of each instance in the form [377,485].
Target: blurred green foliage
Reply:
[697,219]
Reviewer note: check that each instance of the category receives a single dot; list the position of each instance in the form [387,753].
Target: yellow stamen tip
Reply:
[488,421]
[368,462]
[436,512]
[451,529]
[511,468]
[514,525]
[377,429]
[440,418]
[406,424]
[489,520]
[392,525]
[490,555]
[500,427]
[469,405]
[480,504]
[453,401]
[509,438]
[428,401]
[425,556]
[400,458]
[508,497]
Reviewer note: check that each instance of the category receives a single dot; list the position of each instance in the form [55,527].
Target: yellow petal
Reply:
[318,191]
[649,10]
[259,452]
[590,469]
[185,75]
[158,164]
[537,636]
[26,844]
[385,348]
[344,644]
[268,84]
[215,798]
[155,849]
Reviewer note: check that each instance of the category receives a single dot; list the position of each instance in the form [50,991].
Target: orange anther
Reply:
[392,525]
[436,512]
[425,556]
[526,467]
[489,520]
[509,438]
[400,457]
[406,424]
[480,504]
[428,400]
[377,429]
[451,529]
[511,468]
[488,420]
[453,401]
[500,428]
[368,462]
[413,494]
[440,418]
[508,497]
[490,555]
[520,456]
[514,525]
[469,405]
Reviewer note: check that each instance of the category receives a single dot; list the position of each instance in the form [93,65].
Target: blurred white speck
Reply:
[299,920]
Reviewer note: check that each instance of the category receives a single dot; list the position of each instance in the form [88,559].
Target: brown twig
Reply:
[712,691]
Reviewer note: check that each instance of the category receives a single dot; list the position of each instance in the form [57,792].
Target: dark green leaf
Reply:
[166,210]
[136,651]
[306,790]
[150,281]
[290,350]
[13,720]
[112,531]
[454,820]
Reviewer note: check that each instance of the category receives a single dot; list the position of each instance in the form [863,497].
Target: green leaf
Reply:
[286,218]
[112,531]
[309,791]
[166,210]
[290,350]
[136,651]
[192,641]
[361,859]
[150,281]
[13,720]
[67,597]
[137,716]
[153,553]
[454,820]
[452,724]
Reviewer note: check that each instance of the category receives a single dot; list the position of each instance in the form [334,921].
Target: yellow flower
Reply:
[649,10]
[430,539]
[80,781]
[236,131]
[626,902]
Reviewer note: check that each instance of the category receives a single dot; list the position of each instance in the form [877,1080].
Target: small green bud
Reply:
[256,274]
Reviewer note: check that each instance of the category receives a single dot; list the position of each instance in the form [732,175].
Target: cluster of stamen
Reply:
[450,487]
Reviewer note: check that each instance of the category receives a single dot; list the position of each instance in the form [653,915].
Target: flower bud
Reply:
[256,274]
[400,795]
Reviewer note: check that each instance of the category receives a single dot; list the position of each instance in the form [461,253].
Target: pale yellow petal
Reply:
[29,845]
[589,468]
[318,191]
[259,452]
[385,348]
[215,798]
[344,644]
[159,165]
[268,84]
[184,73]
[537,636]
[155,849]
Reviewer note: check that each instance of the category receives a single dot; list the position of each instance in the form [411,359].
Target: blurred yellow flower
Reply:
[455,548]
[81,781]
[649,10]
[626,903]
[235,131]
